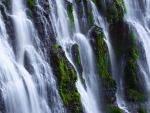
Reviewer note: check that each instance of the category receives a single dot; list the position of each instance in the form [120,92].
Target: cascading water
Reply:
[25,77]
[90,98]
[27,84]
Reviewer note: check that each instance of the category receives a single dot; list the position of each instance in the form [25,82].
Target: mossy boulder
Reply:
[67,77]
[100,50]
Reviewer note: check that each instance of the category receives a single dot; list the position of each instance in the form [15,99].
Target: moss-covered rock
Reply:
[77,61]
[115,11]
[132,83]
[100,51]
[67,78]
[124,41]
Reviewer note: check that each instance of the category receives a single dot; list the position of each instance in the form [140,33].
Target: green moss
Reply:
[49,8]
[131,81]
[78,0]
[142,110]
[77,62]
[70,14]
[55,46]
[134,53]
[112,14]
[7,3]
[94,1]
[31,3]
[131,74]
[68,78]
[113,110]
[133,38]
[101,51]
[90,17]
[117,3]
[116,12]
[135,96]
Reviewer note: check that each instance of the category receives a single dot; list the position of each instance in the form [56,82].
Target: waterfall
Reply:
[74,56]
[26,76]
[89,97]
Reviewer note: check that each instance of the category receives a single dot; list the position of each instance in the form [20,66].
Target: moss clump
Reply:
[90,17]
[70,14]
[94,1]
[116,11]
[67,88]
[31,3]
[142,110]
[118,3]
[132,83]
[133,52]
[112,14]
[55,46]
[113,110]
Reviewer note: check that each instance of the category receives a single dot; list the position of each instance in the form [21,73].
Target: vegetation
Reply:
[31,3]
[70,14]
[116,12]
[112,14]
[113,110]
[77,61]
[90,17]
[100,50]
[55,46]
[142,110]
[67,88]
[78,0]
[124,6]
